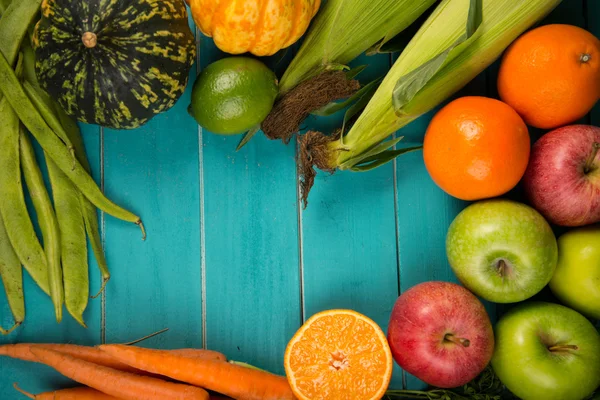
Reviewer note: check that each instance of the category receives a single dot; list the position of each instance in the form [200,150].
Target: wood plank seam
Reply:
[300,241]
[392,60]
[201,205]
[103,238]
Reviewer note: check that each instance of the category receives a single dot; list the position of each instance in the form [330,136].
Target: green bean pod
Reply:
[44,105]
[54,148]
[12,201]
[12,278]
[73,241]
[89,211]
[46,218]
[16,19]
[68,130]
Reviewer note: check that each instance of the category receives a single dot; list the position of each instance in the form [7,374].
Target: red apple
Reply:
[562,180]
[441,333]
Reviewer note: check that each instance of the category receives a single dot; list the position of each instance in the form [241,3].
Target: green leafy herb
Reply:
[486,386]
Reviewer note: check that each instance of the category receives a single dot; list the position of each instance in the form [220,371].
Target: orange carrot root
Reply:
[124,385]
[95,355]
[222,377]
[200,354]
[22,351]
[78,393]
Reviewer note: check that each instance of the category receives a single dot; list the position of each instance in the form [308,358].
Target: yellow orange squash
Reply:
[261,27]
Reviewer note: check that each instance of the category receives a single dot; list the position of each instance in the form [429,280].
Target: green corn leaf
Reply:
[362,102]
[400,41]
[247,137]
[377,149]
[354,72]
[344,29]
[382,158]
[334,107]
[410,84]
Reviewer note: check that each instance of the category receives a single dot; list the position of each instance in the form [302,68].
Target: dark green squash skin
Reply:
[138,69]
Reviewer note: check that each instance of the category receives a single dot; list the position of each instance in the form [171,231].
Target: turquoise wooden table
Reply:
[232,262]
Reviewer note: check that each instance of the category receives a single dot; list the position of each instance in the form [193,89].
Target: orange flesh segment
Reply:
[339,354]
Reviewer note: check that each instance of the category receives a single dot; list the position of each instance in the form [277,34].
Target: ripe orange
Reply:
[476,148]
[339,354]
[551,75]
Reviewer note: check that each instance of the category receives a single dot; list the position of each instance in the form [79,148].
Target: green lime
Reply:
[233,95]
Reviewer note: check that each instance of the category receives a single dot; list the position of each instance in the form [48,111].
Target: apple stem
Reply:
[589,165]
[563,347]
[461,341]
[502,268]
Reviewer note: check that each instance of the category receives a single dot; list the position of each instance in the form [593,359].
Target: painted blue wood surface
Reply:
[251,254]
[232,261]
[349,234]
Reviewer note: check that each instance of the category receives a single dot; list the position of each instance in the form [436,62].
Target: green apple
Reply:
[502,250]
[576,281]
[547,351]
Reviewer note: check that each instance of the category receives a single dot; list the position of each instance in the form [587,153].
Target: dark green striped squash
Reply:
[115,63]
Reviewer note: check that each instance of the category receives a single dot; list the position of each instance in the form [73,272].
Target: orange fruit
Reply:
[339,354]
[551,75]
[476,148]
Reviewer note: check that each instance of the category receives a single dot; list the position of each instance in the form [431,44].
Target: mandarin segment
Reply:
[339,354]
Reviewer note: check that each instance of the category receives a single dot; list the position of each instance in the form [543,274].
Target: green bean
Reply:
[15,21]
[73,241]
[40,98]
[89,211]
[12,278]
[29,65]
[12,201]
[47,220]
[44,105]
[4,4]
[56,150]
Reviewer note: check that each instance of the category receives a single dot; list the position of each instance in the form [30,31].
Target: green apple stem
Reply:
[589,165]
[563,347]
[502,268]
[461,341]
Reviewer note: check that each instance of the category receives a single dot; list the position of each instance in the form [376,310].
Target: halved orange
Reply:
[339,354]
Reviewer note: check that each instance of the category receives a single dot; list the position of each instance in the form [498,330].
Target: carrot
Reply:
[232,380]
[95,355]
[200,354]
[123,385]
[78,393]
[22,351]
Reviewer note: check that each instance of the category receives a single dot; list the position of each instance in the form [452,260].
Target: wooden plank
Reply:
[154,171]
[349,233]
[40,324]
[251,231]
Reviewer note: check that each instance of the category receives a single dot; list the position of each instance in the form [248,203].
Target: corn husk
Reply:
[344,29]
[502,21]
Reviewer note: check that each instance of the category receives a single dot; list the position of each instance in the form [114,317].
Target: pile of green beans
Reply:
[59,266]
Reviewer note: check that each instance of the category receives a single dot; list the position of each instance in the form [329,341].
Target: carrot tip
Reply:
[146,337]
[18,389]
